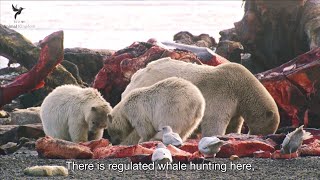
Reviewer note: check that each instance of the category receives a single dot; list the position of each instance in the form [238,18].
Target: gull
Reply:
[293,140]
[210,146]
[169,137]
[161,156]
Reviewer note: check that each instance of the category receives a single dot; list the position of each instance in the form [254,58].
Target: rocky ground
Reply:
[11,167]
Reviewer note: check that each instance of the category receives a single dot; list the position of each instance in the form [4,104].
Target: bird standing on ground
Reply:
[161,156]
[169,137]
[18,11]
[293,140]
[210,146]
[11,147]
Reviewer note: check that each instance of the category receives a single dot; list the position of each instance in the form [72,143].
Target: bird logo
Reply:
[18,11]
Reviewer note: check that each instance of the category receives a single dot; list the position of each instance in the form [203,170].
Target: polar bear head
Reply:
[97,118]
[118,128]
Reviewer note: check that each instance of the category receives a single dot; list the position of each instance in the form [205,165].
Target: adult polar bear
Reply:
[231,93]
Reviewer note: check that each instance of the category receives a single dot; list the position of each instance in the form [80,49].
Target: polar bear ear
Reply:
[269,114]
[109,117]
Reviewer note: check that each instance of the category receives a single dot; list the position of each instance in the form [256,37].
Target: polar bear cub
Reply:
[74,114]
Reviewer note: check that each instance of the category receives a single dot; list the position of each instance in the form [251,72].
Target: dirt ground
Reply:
[12,166]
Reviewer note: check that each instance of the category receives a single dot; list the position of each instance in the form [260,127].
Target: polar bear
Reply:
[74,114]
[231,92]
[173,102]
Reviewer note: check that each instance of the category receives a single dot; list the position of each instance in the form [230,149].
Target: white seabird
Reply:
[293,140]
[170,137]
[161,156]
[210,145]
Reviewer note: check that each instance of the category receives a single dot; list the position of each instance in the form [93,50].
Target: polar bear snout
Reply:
[91,135]
[115,136]
[97,124]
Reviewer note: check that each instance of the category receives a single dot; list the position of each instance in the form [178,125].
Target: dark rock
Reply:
[274,32]
[17,49]
[12,133]
[73,69]
[5,121]
[230,50]
[25,116]
[88,61]
[8,74]
[30,145]
[203,40]
[58,77]
[11,147]
[229,35]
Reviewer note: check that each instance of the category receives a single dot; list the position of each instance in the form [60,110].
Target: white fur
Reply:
[66,113]
[172,102]
[231,92]
[46,171]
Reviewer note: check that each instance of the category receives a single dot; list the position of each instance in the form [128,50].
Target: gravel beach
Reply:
[12,166]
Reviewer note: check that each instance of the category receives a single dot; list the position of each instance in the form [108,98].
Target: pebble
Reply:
[234,157]
[3,114]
